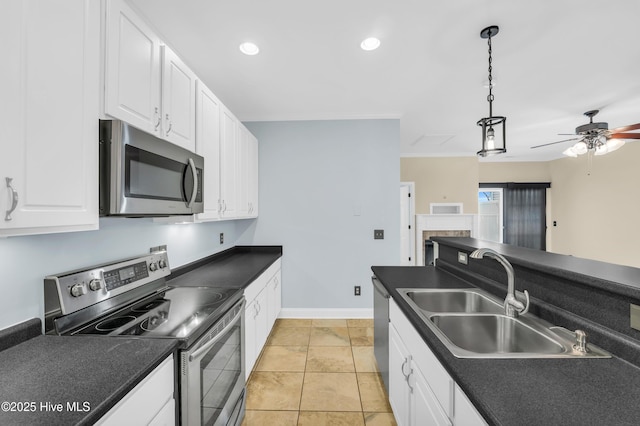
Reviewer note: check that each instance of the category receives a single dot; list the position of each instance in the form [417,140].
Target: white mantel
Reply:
[442,222]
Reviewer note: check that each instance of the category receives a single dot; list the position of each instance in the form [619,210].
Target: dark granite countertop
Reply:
[98,371]
[101,370]
[526,391]
[233,268]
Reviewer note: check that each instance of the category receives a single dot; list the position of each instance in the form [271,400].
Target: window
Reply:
[523,210]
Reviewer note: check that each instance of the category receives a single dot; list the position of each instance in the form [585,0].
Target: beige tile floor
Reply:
[318,373]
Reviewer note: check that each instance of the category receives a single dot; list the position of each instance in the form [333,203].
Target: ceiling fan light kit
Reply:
[494,137]
[596,138]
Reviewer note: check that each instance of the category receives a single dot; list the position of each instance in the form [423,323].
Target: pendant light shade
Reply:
[494,137]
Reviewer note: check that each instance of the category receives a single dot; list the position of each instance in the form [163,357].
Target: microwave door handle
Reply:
[203,349]
[195,182]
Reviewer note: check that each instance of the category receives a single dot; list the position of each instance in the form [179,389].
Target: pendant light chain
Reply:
[493,127]
[490,97]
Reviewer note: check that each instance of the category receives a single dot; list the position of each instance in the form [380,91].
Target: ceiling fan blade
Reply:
[553,143]
[567,134]
[626,128]
[624,136]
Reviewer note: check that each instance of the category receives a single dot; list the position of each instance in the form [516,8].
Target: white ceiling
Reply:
[553,60]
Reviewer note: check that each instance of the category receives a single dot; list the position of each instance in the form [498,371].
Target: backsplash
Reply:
[27,260]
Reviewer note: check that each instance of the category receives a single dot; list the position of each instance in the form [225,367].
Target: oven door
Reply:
[213,379]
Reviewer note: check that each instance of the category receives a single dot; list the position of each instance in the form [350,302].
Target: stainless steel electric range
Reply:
[130,298]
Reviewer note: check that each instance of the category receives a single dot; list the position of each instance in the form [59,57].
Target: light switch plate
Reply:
[462,257]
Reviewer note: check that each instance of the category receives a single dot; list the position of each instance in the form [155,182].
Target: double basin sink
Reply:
[471,323]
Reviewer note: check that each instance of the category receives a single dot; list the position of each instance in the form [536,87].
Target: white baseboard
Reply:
[326,313]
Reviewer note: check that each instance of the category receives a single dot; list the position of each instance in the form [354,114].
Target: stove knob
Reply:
[95,284]
[162,264]
[153,266]
[78,290]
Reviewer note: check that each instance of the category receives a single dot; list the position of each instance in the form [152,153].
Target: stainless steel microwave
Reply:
[142,175]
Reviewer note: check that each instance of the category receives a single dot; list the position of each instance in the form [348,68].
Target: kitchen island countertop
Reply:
[526,391]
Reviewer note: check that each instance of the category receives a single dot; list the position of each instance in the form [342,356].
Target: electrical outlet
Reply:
[222,238]
[356,290]
[378,234]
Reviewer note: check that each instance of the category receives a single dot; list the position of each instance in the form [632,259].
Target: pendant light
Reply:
[494,139]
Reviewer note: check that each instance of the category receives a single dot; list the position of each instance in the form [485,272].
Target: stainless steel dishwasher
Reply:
[381,329]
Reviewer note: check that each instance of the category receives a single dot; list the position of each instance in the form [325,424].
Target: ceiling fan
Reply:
[596,137]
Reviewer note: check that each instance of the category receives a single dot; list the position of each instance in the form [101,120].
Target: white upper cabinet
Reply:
[253,175]
[178,101]
[208,145]
[49,108]
[228,163]
[247,173]
[146,83]
[132,69]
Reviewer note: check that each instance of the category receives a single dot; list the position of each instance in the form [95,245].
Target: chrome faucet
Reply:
[512,306]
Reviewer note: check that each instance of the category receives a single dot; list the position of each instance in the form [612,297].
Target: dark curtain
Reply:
[524,214]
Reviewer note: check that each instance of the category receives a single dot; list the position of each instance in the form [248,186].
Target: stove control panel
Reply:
[72,291]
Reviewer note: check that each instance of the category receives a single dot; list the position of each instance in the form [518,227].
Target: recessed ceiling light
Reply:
[249,48]
[370,43]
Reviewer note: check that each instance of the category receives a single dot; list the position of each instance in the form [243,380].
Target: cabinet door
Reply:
[242,171]
[178,101]
[425,408]
[262,321]
[465,414]
[275,299]
[228,145]
[252,165]
[208,145]
[49,108]
[399,368]
[153,393]
[132,69]
[250,347]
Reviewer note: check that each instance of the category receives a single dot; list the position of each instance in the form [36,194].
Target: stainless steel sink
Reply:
[471,324]
[494,334]
[456,300]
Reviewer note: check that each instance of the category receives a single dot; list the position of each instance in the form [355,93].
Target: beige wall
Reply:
[596,209]
[442,180]
[514,172]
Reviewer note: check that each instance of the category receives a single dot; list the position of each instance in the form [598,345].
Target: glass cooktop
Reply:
[176,312]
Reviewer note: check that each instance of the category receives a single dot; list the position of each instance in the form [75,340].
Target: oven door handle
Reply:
[201,350]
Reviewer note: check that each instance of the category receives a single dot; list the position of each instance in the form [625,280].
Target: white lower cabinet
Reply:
[149,403]
[421,392]
[263,304]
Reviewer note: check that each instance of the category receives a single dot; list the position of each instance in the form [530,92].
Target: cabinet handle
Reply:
[406,376]
[14,199]
[406,360]
[158,122]
[169,129]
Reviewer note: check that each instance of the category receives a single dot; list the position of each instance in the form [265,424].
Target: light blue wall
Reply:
[25,261]
[324,187]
